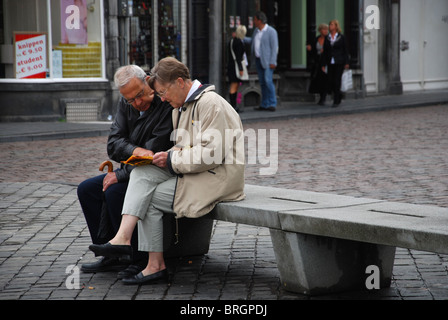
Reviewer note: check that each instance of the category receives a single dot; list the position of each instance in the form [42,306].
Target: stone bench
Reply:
[323,243]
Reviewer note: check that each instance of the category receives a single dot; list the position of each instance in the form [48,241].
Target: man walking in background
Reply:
[265,49]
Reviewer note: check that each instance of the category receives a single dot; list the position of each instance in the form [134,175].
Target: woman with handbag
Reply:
[336,59]
[237,66]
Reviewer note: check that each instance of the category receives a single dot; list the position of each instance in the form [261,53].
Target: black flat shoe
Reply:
[131,271]
[104,264]
[152,278]
[122,252]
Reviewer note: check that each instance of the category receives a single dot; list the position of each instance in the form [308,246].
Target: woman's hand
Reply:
[160,159]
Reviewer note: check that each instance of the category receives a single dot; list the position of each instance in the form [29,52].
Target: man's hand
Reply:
[109,179]
[141,152]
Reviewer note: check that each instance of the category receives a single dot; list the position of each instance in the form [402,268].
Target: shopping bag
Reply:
[347,81]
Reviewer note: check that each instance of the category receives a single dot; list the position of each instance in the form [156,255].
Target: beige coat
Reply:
[210,164]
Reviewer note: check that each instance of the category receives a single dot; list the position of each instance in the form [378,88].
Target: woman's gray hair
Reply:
[124,74]
[167,71]
[322,26]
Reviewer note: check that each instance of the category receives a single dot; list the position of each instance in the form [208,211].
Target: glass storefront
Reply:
[140,44]
[326,10]
[152,32]
[169,29]
[289,17]
[298,34]
[51,39]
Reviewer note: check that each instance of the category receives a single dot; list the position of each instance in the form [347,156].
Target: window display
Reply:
[51,39]
[30,55]
[140,46]
[77,38]
[169,29]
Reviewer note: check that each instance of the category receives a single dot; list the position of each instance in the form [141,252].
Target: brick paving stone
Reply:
[393,155]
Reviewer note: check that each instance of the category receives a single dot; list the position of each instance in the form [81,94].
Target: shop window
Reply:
[240,13]
[76,38]
[140,44]
[24,26]
[298,34]
[327,10]
[59,40]
[169,29]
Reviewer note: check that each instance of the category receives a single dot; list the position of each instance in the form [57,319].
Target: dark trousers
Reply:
[334,77]
[90,195]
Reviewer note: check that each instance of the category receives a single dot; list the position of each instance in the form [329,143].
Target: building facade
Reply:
[407,53]
[58,57]
[52,57]
[394,45]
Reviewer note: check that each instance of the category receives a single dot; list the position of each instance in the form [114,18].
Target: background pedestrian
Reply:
[237,61]
[265,49]
[319,79]
[336,59]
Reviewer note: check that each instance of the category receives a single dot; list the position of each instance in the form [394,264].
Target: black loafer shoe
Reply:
[104,264]
[152,278]
[122,252]
[131,271]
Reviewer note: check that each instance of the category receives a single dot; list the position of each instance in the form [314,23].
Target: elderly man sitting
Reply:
[142,126]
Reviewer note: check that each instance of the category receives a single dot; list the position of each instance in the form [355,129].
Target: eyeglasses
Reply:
[162,94]
[138,96]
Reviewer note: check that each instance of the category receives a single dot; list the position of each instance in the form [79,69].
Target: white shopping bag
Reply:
[347,81]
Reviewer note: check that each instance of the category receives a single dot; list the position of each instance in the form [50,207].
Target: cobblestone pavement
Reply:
[392,155]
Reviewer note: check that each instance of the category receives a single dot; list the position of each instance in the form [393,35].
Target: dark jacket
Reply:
[130,130]
[338,51]
[316,58]
[238,49]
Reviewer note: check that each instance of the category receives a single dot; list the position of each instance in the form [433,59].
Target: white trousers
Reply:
[149,195]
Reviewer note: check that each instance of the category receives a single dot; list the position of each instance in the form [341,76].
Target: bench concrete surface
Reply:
[324,243]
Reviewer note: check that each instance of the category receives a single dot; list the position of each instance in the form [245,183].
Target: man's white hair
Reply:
[124,74]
